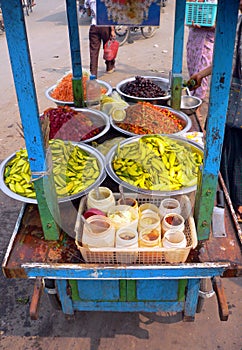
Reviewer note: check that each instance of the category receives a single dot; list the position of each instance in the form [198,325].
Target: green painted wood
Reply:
[182,289]
[78,93]
[131,290]
[176,84]
[204,205]
[48,207]
[74,290]
[122,290]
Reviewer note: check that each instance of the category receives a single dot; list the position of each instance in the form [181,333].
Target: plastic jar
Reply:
[148,208]
[150,221]
[123,216]
[174,239]
[128,201]
[149,238]
[169,205]
[101,235]
[127,239]
[173,221]
[101,198]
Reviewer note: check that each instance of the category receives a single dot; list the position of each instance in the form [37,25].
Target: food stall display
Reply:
[129,254]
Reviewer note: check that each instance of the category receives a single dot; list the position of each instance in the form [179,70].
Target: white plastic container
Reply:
[169,205]
[128,201]
[148,208]
[123,216]
[101,235]
[174,242]
[174,239]
[149,238]
[127,239]
[172,221]
[150,221]
[101,198]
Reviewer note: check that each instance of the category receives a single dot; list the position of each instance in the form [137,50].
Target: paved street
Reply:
[49,48]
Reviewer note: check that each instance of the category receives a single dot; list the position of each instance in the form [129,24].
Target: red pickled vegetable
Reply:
[67,124]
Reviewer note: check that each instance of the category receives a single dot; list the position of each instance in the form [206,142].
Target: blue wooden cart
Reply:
[51,257]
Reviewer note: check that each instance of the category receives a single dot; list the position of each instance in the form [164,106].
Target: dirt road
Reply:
[93,330]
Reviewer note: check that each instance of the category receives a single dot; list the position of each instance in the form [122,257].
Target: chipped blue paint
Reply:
[219,93]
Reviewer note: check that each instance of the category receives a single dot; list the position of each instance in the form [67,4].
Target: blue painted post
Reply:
[28,108]
[65,296]
[191,299]
[176,79]
[227,15]
[75,53]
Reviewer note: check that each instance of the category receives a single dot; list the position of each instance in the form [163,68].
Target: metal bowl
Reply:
[190,103]
[49,91]
[98,118]
[94,152]
[112,174]
[180,115]
[161,82]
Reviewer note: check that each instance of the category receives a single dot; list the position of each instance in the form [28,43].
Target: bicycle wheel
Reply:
[148,32]
[122,33]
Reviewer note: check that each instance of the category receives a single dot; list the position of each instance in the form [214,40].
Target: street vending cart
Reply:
[40,250]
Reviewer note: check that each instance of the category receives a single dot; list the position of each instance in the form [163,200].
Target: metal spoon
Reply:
[121,190]
[88,226]
[98,194]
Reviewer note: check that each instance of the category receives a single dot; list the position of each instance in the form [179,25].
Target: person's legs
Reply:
[105,33]
[94,47]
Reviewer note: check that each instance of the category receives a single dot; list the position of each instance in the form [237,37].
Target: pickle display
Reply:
[156,163]
[75,169]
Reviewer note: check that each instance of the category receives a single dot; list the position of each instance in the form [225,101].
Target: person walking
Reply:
[199,47]
[231,158]
[98,35]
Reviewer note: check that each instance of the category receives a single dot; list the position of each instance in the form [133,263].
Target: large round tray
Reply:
[49,91]
[182,116]
[101,161]
[112,174]
[161,82]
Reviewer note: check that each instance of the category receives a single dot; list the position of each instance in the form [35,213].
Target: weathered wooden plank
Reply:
[218,102]
[28,107]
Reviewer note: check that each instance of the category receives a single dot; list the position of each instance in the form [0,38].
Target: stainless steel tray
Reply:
[94,152]
[182,116]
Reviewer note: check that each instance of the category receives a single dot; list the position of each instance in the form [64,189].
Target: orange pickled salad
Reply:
[64,92]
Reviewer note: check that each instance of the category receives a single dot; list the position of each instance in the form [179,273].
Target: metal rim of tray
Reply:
[180,114]
[93,112]
[94,152]
[111,173]
[152,78]
[71,103]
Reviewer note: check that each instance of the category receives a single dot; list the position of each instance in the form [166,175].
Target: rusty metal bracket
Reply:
[206,295]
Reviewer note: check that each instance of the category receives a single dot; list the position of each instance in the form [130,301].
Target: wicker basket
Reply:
[201,13]
[139,256]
